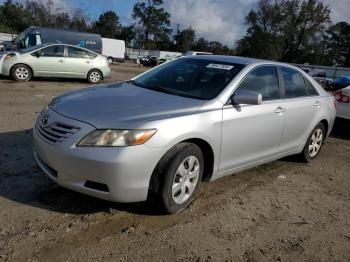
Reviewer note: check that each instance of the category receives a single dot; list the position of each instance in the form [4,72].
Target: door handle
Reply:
[61,61]
[279,110]
[317,104]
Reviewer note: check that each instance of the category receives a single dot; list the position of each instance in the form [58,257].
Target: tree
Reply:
[201,45]
[107,25]
[185,40]
[153,19]
[79,21]
[287,30]
[127,34]
[302,22]
[263,38]
[14,17]
[62,20]
[337,41]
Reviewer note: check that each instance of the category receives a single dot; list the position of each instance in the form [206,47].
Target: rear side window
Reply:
[74,52]
[263,80]
[294,83]
[310,89]
[52,51]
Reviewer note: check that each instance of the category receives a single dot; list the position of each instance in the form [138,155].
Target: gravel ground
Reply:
[282,211]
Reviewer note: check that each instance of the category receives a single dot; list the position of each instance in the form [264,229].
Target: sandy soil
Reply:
[282,211]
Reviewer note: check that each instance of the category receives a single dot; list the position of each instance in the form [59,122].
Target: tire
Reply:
[173,172]
[94,76]
[21,73]
[314,143]
[110,60]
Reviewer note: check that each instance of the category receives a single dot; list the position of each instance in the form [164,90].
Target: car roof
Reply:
[41,46]
[227,59]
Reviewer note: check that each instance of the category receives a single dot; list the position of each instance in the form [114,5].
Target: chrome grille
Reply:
[55,132]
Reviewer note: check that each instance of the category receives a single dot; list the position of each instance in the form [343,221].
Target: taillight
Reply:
[342,98]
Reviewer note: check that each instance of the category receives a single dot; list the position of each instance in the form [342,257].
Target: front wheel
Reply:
[21,73]
[314,143]
[181,175]
[94,76]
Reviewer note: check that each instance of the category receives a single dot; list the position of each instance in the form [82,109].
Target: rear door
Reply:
[50,61]
[253,132]
[79,62]
[301,104]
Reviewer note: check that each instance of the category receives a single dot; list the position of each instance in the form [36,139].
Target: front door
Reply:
[50,61]
[253,132]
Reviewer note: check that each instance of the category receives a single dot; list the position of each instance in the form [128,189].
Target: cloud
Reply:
[223,20]
[220,20]
[340,10]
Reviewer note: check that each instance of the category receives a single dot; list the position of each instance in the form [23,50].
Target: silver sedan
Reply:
[189,120]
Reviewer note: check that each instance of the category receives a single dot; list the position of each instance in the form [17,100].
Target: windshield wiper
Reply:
[163,89]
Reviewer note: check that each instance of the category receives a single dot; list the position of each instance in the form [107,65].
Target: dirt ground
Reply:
[282,211]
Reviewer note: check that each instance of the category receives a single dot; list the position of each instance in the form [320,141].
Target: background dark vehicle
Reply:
[149,61]
[33,36]
[340,83]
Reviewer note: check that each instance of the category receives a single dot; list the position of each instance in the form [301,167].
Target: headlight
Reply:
[116,138]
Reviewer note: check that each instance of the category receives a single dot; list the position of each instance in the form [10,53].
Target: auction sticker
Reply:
[220,66]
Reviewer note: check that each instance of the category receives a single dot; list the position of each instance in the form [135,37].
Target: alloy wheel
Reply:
[315,142]
[185,180]
[95,77]
[22,73]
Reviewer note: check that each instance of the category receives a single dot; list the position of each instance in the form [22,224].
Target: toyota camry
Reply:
[193,119]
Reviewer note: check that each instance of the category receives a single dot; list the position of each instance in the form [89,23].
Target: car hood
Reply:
[121,105]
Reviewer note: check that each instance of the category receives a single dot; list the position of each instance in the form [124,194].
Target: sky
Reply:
[220,20]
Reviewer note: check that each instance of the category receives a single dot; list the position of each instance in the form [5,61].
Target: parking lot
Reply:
[282,211]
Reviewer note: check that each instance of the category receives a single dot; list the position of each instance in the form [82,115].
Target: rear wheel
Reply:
[94,76]
[21,73]
[180,173]
[314,143]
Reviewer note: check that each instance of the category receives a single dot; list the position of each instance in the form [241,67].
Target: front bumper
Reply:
[116,174]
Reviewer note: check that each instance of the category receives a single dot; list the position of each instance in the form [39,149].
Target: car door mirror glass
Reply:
[246,97]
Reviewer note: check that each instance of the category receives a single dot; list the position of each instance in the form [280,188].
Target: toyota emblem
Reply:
[46,119]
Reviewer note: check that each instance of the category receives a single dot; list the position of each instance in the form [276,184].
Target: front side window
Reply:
[294,83]
[74,52]
[263,80]
[190,77]
[52,51]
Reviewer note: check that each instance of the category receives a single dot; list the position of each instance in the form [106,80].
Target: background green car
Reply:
[55,60]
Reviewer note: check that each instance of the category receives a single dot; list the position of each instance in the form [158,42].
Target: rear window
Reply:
[74,52]
[196,78]
[294,83]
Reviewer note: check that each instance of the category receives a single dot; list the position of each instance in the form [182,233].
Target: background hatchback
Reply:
[56,60]
[190,120]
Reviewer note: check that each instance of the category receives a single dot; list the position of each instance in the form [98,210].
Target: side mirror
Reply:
[36,54]
[246,97]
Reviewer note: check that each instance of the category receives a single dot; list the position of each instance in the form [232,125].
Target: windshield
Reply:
[21,36]
[195,78]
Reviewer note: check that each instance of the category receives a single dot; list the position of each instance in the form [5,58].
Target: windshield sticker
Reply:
[219,66]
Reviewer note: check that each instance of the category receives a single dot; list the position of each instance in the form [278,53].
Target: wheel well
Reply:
[95,69]
[325,123]
[208,155]
[31,70]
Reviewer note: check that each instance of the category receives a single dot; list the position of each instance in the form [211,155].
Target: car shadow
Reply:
[341,129]
[22,181]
